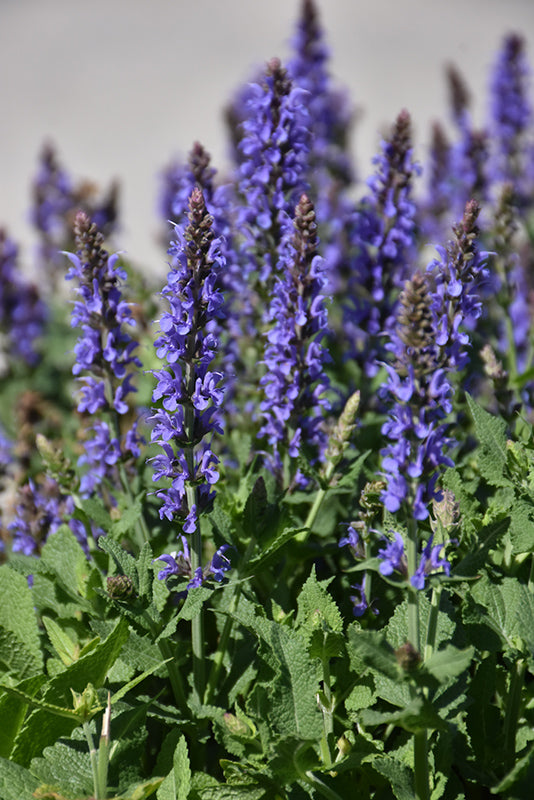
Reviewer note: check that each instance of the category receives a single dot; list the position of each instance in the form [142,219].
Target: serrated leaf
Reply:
[418,715]
[372,648]
[20,649]
[293,710]
[125,561]
[177,784]
[66,767]
[447,664]
[16,782]
[196,597]
[13,710]
[128,519]
[144,571]
[61,642]
[97,513]
[62,555]
[398,776]
[350,478]
[491,433]
[502,602]
[319,619]
[522,527]
[43,728]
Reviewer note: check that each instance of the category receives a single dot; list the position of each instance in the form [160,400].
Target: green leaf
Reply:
[63,556]
[16,782]
[128,519]
[66,649]
[418,715]
[319,619]
[141,791]
[65,766]
[399,777]
[20,650]
[13,710]
[124,561]
[502,603]
[447,664]
[97,513]
[371,648]
[293,709]
[177,784]
[491,433]
[196,597]
[42,728]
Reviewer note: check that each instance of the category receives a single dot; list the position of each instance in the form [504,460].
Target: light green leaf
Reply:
[177,784]
[128,519]
[13,710]
[63,556]
[42,728]
[400,778]
[16,782]
[66,649]
[448,663]
[20,650]
[491,433]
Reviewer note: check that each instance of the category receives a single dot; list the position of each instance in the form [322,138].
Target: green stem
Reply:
[328,720]
[420,752]
[218,657]
[197,623]
[513,707]
[432,623]
[420,744]
[413,596]
[93,758]
[174,675]
[103,753]
[321,787]
[531,575]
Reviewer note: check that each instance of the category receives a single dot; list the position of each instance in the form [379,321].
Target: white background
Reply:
[121,86]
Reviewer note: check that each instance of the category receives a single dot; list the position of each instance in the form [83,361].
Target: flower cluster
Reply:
[295,382]
[510,116]
[271,176]
[188,390]
[393,559]
[56,200]
[41,509]
[104,352]
[384,233]
[419,394]
[22,312]
[179,566]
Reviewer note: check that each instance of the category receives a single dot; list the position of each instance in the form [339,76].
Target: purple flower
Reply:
[510,118]
[271,176]
[430,562]
[393,557]
[295,382]
[360,604]
[56,199]
[187,389]
[41,509]
[104,353]
[417,393]
[22,312]
[179,566]
[383,234]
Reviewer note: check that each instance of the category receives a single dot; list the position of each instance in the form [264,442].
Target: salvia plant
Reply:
[267,525]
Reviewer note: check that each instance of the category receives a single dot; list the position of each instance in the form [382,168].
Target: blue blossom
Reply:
[179,566]
[417,393]
[359,601]
[104,353]
[295,383]
[459,273]
[393,557]
[22,312]
[271,175]
[383,231]
[187,389]
[56,199]
[430,562]
[510,117]
[41,509]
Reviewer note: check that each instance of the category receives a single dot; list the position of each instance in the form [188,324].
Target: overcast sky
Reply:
[121,86]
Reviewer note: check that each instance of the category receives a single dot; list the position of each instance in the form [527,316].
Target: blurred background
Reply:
[122,86]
